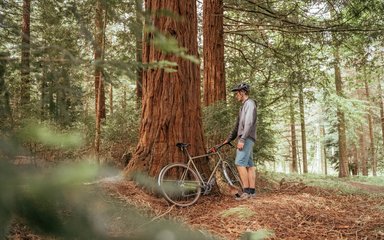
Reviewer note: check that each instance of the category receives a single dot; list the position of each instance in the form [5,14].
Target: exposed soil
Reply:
[290,211]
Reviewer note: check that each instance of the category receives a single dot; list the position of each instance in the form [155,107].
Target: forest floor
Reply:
[286,209]
[292,210]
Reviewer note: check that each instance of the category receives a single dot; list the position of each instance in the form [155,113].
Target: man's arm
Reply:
[249,120]
[232,136]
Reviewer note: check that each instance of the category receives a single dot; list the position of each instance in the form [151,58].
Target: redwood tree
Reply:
[213,51]
[171,100]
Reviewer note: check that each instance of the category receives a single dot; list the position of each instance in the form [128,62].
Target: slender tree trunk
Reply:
[124,103]
[25,54]
[171,100]
[355,162]
[381,102]
[363,152]
[303,131]
[293,136]
[324,149]
[213,51]
[110,98]
[5,107]
[370,127]
[139,52]
[99,85]
[343,161]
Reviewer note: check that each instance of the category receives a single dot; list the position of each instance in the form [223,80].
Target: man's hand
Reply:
[240,145]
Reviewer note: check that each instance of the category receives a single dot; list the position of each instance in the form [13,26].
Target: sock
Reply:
[247,190]
[252,191]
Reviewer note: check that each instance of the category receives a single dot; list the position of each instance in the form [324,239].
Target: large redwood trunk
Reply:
[171,101]
[213,51]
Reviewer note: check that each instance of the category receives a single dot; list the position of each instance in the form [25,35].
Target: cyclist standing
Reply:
[245,131]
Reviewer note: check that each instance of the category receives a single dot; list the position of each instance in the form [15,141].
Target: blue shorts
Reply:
[244,157]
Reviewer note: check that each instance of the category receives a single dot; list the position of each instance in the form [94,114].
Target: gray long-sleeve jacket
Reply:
[246,122]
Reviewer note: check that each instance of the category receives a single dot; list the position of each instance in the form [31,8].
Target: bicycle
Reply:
[182,184]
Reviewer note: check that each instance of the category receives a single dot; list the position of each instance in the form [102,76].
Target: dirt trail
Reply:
[368,187]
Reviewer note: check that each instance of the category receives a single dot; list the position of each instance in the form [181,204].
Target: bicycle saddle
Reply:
[182,145]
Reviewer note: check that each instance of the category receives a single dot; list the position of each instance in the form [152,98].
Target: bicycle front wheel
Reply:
[179,184]
[232,176]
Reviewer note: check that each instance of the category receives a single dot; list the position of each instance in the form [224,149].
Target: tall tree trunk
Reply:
[343,161]
[293,136]
[213,51]
[139,52]
[355,163]
[111,98]
[324,149]
[99,57]
[381,103]
[303,131]
[362,152]
[370,127]
[5,107]
[171,100]
[25,54]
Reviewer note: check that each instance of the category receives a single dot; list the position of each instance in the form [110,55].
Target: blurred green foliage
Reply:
[66,201]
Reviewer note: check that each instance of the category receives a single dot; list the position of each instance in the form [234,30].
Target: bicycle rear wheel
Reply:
[232,177]
[179,184]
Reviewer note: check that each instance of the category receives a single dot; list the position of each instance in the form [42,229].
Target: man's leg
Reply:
[243,176]
[242,162]
[252,181]
[251,173]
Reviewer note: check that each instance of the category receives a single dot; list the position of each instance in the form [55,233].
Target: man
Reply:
[245,131]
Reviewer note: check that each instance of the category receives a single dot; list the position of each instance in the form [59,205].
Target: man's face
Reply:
[239,96]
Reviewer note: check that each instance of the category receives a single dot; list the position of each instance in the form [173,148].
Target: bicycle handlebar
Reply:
[217,147]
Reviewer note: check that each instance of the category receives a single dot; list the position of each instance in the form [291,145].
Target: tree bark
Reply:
[342,139]
[213,52]
[370,127]
[5,107]
[25,54]
[362,152]
[293,136]
[381,102]
[139,52]
[303,131]
[99,85]
[324,149]
[171,110]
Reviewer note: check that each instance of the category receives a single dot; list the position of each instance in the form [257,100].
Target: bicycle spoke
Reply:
[179,185]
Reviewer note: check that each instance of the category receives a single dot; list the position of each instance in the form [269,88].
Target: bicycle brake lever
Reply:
[212,150]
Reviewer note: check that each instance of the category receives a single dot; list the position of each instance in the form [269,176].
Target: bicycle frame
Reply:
[182,183]
[191,162]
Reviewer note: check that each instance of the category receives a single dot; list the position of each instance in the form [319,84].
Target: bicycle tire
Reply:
[231,176]
[179,184]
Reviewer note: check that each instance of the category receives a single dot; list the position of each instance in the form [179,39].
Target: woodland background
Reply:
[119,82]
[315,69]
